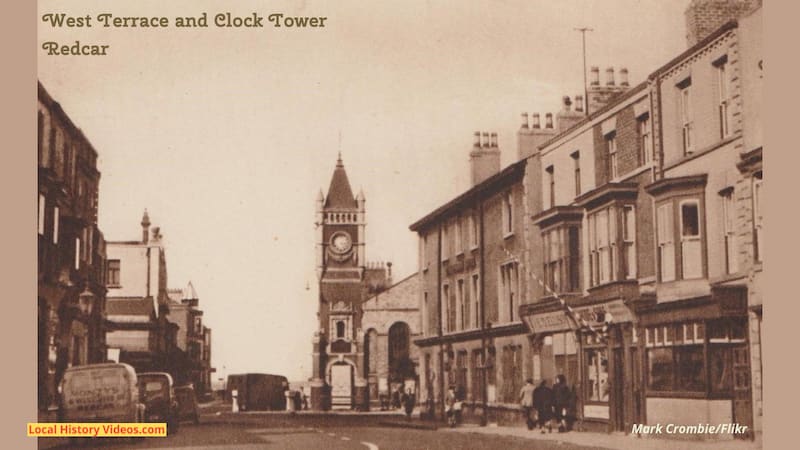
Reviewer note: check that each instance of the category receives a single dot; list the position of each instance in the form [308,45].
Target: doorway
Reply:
[341,386]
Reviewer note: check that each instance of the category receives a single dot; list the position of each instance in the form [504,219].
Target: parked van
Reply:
[258,391]
[158,396]
[100,393]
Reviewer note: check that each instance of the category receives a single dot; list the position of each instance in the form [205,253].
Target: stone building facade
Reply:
[640,254]
[71,250]
[340,374]
[137,329]
[391,322]
[192,363]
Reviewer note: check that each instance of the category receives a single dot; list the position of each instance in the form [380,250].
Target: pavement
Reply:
[217,414]
[606,440]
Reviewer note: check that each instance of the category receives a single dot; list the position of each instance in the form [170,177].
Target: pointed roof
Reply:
[339,193]
[189,293]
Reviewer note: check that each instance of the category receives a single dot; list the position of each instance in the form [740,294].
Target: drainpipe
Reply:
[484,413]
[439,314]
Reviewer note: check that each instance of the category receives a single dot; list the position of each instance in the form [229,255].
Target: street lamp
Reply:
[86,301]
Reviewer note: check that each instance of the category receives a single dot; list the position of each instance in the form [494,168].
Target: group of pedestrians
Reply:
[556,405]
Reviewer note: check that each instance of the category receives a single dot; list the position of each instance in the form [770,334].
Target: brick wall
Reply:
[705,16]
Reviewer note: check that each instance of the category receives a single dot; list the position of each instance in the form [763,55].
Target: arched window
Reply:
[340,329]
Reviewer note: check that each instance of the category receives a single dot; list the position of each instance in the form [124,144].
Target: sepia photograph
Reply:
[428,224]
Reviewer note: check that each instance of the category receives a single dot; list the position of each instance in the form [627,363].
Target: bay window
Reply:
[600,246]
[562,258]
[729,230]
[629,240]
[691,250]
[666,246]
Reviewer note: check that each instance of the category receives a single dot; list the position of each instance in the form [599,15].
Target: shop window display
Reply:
[597,377]
[695,357]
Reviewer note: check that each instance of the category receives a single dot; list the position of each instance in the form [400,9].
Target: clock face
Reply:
[341,242]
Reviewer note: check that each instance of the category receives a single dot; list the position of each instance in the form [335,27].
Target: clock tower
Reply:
[337,378]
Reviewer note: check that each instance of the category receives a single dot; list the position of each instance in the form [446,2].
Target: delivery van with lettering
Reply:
[105,392]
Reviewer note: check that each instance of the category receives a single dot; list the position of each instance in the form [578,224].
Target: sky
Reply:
[226,135]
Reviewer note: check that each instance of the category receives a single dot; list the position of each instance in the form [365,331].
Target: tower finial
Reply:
[145,226]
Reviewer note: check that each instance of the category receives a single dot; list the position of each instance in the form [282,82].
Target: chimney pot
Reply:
[485,139]
[524,120]
[579,103]
[623,76]
[477,140]
[567,103]
[494,140]
[594,76]
[548,120]
[536,120]
[610,76]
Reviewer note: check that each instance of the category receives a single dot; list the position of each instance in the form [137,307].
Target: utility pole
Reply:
[583,31]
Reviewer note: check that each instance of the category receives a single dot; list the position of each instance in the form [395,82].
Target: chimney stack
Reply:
[623,77]
[145,227]
[704,16]
[484,159]
[594,76]
[548,120]
[579,103]
[610,76]
[536,123]
[525,120]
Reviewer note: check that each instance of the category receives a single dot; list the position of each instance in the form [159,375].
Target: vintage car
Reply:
[158,395]
[187,403]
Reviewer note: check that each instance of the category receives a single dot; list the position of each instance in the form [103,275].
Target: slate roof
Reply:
[340,196]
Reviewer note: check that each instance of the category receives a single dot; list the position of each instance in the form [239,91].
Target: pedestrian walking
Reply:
[543,402]
[304,398]
[408,402]
[561,395]
[452,406]
[572,408]
[526,401]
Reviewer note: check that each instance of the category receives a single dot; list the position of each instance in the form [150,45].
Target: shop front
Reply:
[697,362]
[595,347]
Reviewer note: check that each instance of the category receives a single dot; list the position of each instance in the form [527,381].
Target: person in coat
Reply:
[543,402]
[408,403]
[561,400]
[526,401]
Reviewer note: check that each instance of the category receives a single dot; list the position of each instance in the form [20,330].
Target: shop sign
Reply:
[550,322]
[597,315]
